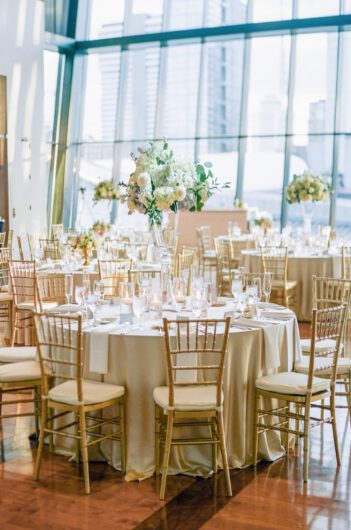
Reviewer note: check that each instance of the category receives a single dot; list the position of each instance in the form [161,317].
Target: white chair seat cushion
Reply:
[324,364]
[279,284]
[30,306]
[321,346]
[5,297]
[291,383]
[18,372]
[4,289]
[93,392]
[18,354]
[194,397]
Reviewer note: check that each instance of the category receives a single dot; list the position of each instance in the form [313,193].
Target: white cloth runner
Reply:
[270,331]
[99,337]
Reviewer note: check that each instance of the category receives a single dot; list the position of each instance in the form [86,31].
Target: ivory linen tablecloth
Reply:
[138,361]
[301,269]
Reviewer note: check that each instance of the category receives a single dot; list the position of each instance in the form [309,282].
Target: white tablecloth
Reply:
[138,361]
[301,269]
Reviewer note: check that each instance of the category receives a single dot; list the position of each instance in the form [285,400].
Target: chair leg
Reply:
[286,440]
[122,428]
[224,452]
[335,432]
[255,431]
[44,408]
[297,424]
[0,401]
[214,436]
[37,405]
[76,418]
[14,328]
[157,438]
[84,449]
[306,442]
[167,450]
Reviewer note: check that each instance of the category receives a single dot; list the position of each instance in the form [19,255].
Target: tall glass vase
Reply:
[165,239]
[307,214]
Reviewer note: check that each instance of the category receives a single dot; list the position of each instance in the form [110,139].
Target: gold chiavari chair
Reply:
[346,263]
[305,390]
[250,277]
[140,277]
[6,298]
[208,259]
[50,248]
[200,400]
[225,266]
[60,348]
[2,239]
[26,296]
[9,240]
[185,262]
[20,248]
[113,272]
[51,288]
[284,291]
[237,246]
[330,292]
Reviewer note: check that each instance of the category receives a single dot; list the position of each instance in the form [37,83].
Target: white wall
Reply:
[21,60]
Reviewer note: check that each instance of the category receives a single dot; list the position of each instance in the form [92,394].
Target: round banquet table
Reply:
[301,269]
[137,360]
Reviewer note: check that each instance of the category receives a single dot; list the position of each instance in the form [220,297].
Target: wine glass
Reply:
[258,285]
[68,287]
[78,295]
[99,289]
[139,305]
[198,302]
[179,292]
[267,286]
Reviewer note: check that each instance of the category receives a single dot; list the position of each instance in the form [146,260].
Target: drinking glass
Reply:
[139,305]
[179,292]
[78,295]
[68,287]
[198,302]
[267,286]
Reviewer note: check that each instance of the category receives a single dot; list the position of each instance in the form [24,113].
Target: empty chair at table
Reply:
[50,248]
[346,262]
[304,390]
[196,346]
[51,288]
[284,291]
[186,261]
[112,272]
[225,266]
[206,252]
[237,246]
[60,348]
[2,239]
[6,297]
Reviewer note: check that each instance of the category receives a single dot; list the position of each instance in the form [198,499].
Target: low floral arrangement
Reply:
[100,228]
[163,183]
[82,241]
[308,187]
[106,189]
[263,222]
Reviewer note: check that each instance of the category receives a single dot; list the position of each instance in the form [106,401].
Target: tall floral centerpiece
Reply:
[163,185]
[307,189]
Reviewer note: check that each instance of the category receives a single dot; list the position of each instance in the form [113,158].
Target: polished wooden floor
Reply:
[271,497]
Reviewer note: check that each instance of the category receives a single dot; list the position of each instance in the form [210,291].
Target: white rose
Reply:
[180,193]
[143,179]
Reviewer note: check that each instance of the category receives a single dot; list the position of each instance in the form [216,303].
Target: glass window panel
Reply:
[51,63]
[105,19]
[221,89]
[343,189]
[271,10]
[185,14]
[56,16]
[345,83]
[263,174]
[317,8]
[144,17]
[180,93]
[221,12]
[95,164]
[101,93]
[140,92]
[224,157]
[347,6]
[314,93]
[311,153]
[267,101]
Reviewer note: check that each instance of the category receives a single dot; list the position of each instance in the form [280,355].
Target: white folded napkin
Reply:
[272,357]
[99,347]
[283,314]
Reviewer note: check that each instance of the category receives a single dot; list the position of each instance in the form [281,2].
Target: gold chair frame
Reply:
[206,335]
[326,324]
[275,261]
[346,263]
[56,334]
[113,272]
